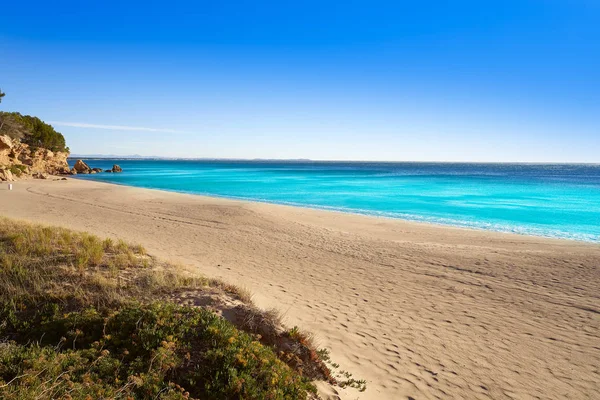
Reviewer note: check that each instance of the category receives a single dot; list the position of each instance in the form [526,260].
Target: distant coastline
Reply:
[74,157]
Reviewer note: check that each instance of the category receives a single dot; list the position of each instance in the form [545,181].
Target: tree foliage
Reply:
[2,94]
[32,131]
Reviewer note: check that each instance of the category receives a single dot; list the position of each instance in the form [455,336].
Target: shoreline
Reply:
[417,309]
[415,219]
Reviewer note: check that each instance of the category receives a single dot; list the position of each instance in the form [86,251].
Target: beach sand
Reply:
[419,311]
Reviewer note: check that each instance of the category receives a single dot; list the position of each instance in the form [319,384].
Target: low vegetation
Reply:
[17,170]
[85,318]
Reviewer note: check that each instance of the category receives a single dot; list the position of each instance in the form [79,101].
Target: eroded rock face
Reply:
[5,143]
[116,168]
[6,175]
[5,150]
[48,162]
[13,153]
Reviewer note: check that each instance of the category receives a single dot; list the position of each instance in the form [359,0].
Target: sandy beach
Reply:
[419,311]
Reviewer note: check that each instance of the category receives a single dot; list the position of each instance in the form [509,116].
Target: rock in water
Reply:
[97,169]
[82,167]
[116,168]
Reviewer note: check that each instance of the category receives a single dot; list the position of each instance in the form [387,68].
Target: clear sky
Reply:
[364,80]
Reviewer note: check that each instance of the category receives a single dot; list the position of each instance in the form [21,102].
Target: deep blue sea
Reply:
[546,200]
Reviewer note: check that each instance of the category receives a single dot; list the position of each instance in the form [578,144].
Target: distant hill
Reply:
[134,156]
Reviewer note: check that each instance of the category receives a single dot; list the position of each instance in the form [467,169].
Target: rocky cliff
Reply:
[18,160]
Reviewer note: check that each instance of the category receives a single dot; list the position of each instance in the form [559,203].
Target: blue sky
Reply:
[376,80]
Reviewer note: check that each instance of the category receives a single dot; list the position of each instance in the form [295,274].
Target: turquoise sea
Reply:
[555,200]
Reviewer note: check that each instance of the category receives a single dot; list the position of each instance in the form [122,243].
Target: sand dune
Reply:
[420,311]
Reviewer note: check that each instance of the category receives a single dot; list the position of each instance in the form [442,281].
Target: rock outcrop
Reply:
[6,175]
[19,160]
[40,175]
[6,145]
[81,167]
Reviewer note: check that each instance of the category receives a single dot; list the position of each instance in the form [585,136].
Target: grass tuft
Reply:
[84,317]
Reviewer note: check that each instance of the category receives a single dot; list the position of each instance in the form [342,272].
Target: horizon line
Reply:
[137,157]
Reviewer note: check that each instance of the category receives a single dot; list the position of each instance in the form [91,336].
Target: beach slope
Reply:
[419,311]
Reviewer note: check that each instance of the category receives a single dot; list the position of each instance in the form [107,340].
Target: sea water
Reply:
[554,200]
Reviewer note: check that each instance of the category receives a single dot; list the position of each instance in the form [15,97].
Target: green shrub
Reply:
[17,170]
[84,318]
[143,350]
